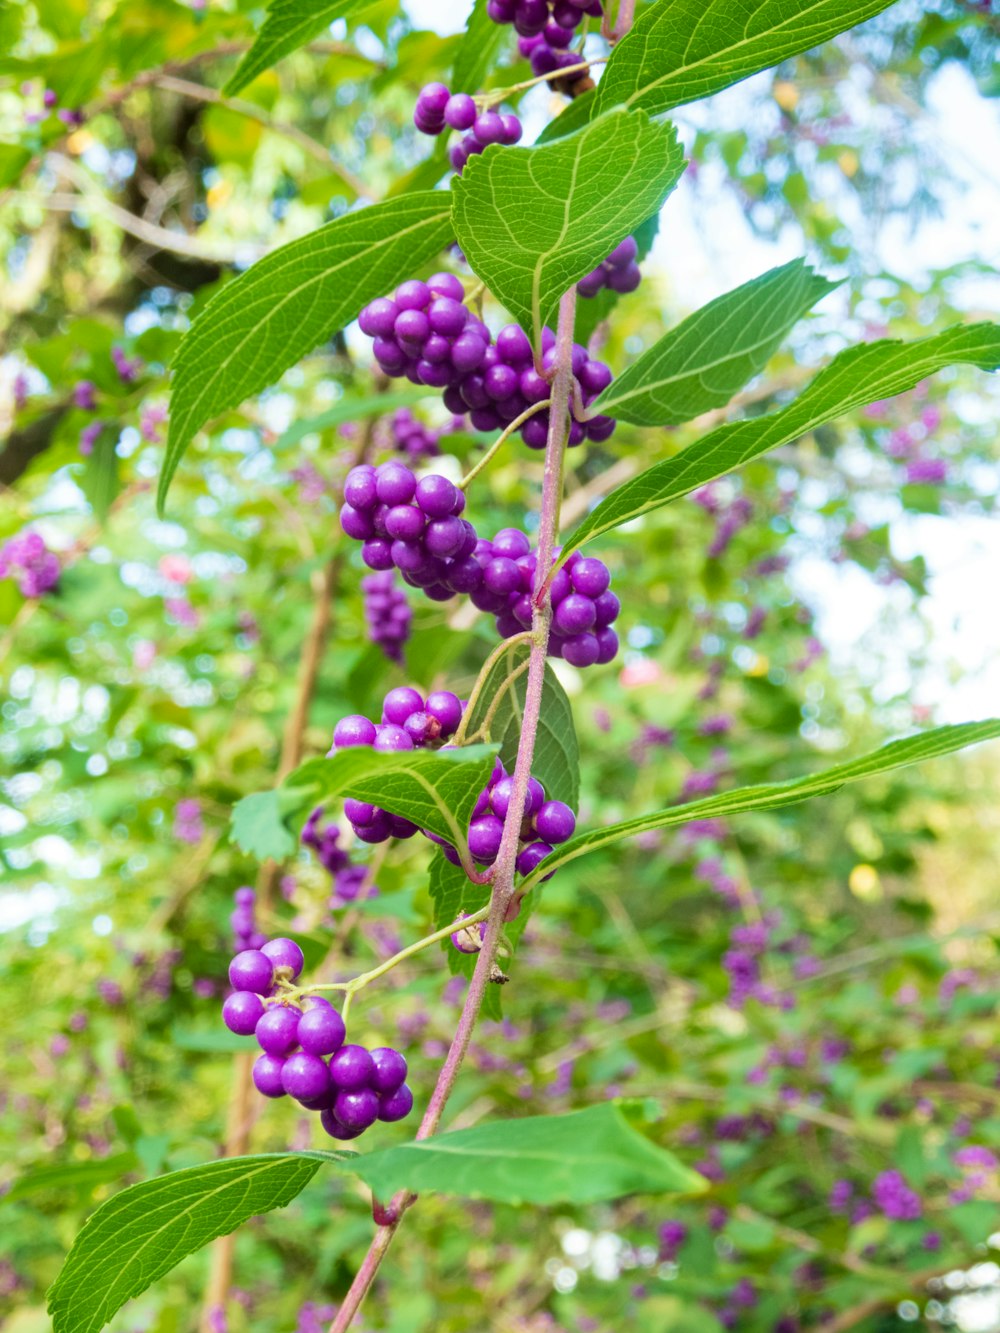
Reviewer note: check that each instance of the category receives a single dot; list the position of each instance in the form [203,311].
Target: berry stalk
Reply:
[504,868]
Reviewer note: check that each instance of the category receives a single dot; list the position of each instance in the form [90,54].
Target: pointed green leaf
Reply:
[774,795]
[434,789]
[576,1158]
[289,25]
[500,706]
[281,308]
[855,377]
[680,50]
[258,826]
[147,1229]
[100,482]
[75,1176]
[533,221]
[702,362]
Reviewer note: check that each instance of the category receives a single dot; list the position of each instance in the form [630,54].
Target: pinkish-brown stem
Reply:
[505,866]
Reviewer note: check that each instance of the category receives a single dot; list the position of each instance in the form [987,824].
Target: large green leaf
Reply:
[556,761]
[281,308]
[680,50]
[533,221]
[289,25]
[434,789]
[773,795]
[478,52]
[576,1158]
[855,377]
[144,1231]
[702,362]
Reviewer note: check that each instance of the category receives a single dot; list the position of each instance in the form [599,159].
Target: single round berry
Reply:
[574,615]
[305,1076]
[607,646]
[390,1069]
[277,1031]
[582,650]
[394,484]
[321,1031]
[391,739]
[251,970]
[356,523]
[334,1128]
[412,295]
[513,345]
[446,709]
[395,1105]
[501,575]
[267,1075]
[242,1011]
[532,856]
[352,1068]
[378,318]
[399,703]
[485,834]
[446,284]
[285,953]
[590,577]
[460,111]
[623,253]
[512,129]
[488,128]
[356,1110]
[436,496]
[555,821]
[404,522]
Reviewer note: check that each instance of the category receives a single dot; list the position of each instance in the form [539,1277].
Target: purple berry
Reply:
[436,496]
[512,128]
[412,327]
[321,1031]
[607,646]
[251,970]
[501,575]
[484,837]
[555,822]
[607,607]
[594,377]
[356,523]
[488,128]
[305,1076]
[446,284]
[447,317]
[242,1011]
[267,1075]
[574,614]
[399,703]
[391,739]
[356,1110]
[390,1069]
[625,279]
[352,1068]
[623,254]
[396,1105]
[582,650]
[378,317]
[532,856]
[446,708]
[600,428]
[433,98]
[277,1031]
[460,111]
[285,953]
[333,1126]
[353,730]
[590,577]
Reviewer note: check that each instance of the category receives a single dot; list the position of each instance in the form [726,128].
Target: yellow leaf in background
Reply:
[848,162]
[217,194]
[79,141]
[864,883]
[229,136]
[785,94]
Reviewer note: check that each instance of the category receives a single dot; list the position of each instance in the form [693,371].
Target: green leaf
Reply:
[258,826]
[576,1158]
[65,1176]
[533,221]
[680,50]
[13,159]
[100,481]
[857,376]
[452,892]
[281,308]
[289,25]
[702,362]
[352,409]
[434,789]
[144,1231]
[479,50]
[774,795]
[556,761]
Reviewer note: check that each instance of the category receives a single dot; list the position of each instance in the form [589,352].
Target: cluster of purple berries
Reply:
[304,1055]
[423,331]
[547,50]
[409,722]
[438,110]
[27,558]
[387,613]
[244,924]
[584,607]
[348,878]
[412,437]
[620,272]
[543,826]
[413,526]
